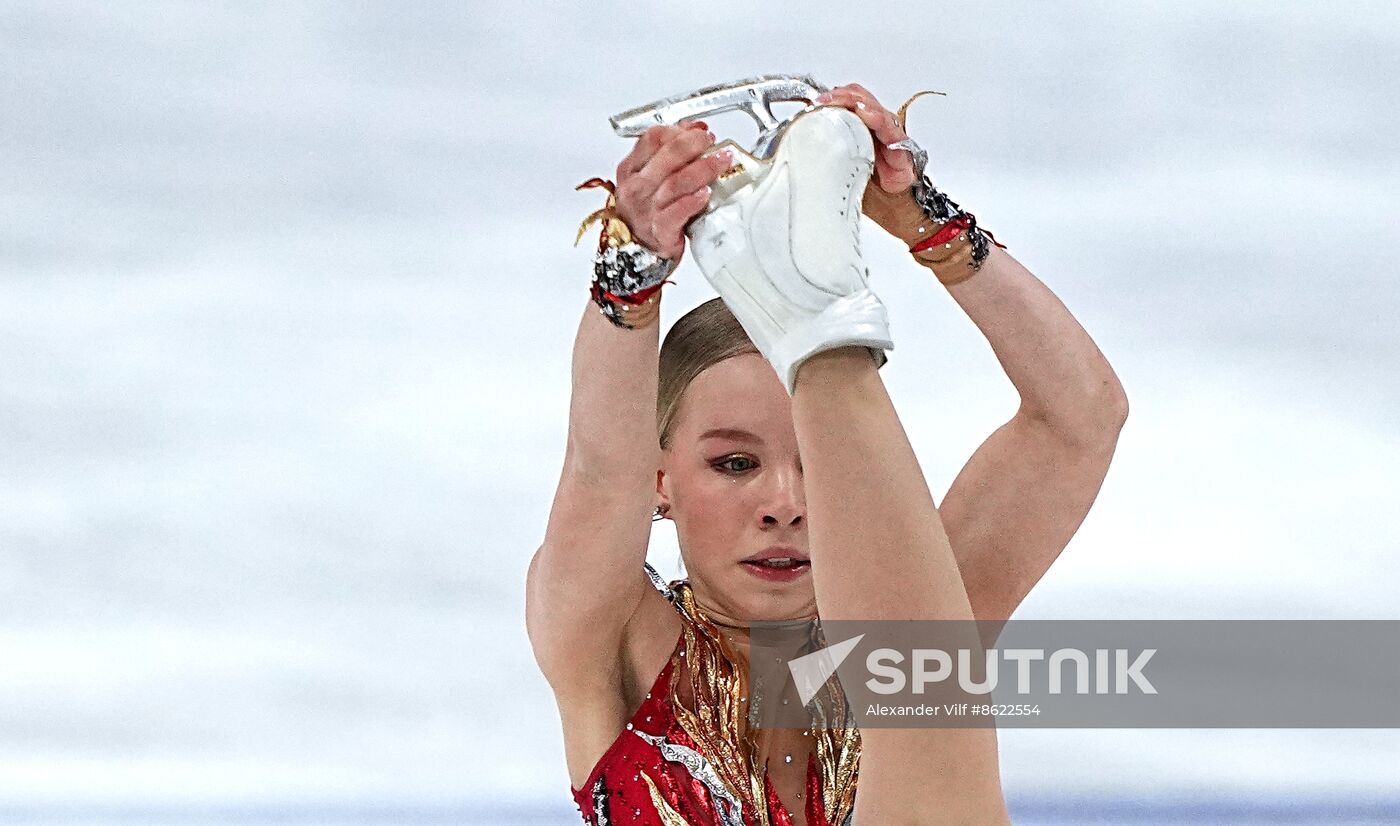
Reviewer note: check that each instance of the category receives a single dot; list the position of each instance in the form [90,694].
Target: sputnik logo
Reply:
[811,671]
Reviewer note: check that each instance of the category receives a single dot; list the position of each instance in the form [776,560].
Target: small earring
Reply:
[658,514]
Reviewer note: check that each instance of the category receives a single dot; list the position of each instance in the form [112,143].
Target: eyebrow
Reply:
[734,433]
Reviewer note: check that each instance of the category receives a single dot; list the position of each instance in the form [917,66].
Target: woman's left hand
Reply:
[894,168]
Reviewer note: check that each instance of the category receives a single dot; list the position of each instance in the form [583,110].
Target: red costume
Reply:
[686,759]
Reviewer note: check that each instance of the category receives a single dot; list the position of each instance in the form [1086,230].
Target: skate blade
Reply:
[754,96]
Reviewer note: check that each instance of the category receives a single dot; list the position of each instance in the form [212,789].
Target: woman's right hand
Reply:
[664,182]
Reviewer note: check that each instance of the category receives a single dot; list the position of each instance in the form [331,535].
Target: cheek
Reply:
[714,510]
[713,498]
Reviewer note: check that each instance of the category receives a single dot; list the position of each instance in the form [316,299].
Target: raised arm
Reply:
[1025,491]
[877,546]
[586,579]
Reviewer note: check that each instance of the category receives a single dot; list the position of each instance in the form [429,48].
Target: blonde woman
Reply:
[795,494]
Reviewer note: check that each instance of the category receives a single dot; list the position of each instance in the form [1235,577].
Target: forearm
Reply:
[612,410]
[661,184]
[1062,377]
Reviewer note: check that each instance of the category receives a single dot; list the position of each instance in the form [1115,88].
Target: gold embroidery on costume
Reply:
[838,763]
[718,722]
[669,816]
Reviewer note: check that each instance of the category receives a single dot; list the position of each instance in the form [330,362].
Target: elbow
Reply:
[1108,412]
[1104,411]
[1094,419]
[1114,403]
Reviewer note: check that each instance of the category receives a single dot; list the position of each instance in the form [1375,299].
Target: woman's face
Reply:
[732,480]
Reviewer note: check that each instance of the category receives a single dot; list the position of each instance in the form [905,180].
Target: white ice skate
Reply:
[780,238]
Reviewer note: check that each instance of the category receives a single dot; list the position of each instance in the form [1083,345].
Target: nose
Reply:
[787,500]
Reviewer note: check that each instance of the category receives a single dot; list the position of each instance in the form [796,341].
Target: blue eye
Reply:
[725,463]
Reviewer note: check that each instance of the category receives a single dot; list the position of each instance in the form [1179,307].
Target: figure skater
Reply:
[765,433]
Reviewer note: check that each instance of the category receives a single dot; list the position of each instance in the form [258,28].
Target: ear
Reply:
[663,498]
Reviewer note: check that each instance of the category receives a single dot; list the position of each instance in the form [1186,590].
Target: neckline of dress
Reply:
[709,617]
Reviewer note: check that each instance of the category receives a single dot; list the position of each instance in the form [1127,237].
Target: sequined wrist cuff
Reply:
[627,276]
[627,281]
[958,246]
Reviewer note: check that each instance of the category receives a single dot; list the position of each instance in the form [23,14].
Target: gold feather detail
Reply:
[669,816]
[903,112]
[615,230]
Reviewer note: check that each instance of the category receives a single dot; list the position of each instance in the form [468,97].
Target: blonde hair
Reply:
[698,340]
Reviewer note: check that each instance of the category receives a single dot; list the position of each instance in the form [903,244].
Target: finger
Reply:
[882,121]
[888,129]
[894,168]
[875,117]
[898,165]
[893,177]
[865,93]
[855,97]
[702,171]
[642,150]
[648,144]
[863,97]
[670,222]
[853,88]
[645,146]
[677,152]
[897,160]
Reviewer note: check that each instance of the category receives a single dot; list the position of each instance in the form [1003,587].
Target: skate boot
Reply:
[780,241]
[780,237]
